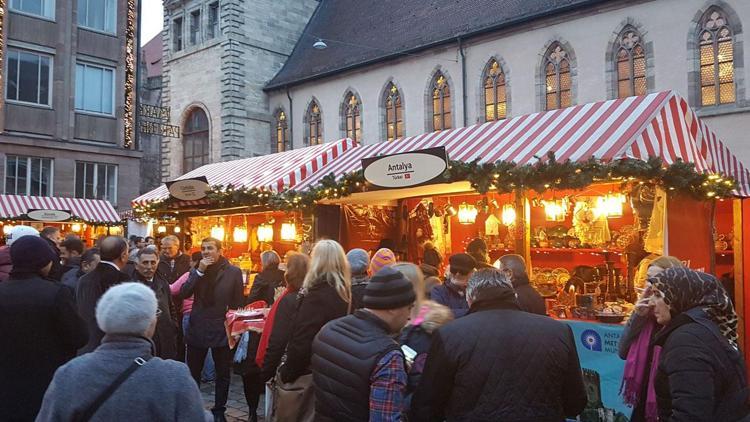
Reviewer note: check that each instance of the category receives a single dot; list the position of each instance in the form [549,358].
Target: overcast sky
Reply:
[152,19]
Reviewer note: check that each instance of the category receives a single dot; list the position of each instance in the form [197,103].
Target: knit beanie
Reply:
[30,254]
[359,260]
[388,289]
[382,258]
[126,308]
[19,231]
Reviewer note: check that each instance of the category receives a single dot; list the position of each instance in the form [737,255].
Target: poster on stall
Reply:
[602,370]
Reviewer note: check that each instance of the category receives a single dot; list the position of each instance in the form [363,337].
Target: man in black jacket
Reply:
[499,363]
[165,336]
[358,368]
[53,238]
[113,251]
[528,298]
[216,286]
[39,328]
[172,263]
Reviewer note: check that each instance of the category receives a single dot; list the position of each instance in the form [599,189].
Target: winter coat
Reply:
[265,284]
[315,308]
[160,390]
[70,278]
[359,282]
[499,363]
[450,295]
[5,263]
[280,334]
[172,268]
[57,270]
[700,377]
[165,336]
[40,331]
[528,298]
[210,305]
[90,289]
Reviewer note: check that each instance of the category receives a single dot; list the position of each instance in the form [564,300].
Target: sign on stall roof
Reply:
[48,215]
[406,169]
[189,189]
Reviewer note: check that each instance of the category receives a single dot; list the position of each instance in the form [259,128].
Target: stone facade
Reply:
[58,131]
[225,75]
[668,28]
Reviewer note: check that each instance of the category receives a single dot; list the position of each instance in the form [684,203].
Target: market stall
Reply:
[87,218]
[587,194]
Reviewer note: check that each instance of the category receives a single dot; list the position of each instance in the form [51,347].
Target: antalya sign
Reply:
[49,215]
[189,189]
[158,127]
[406,169]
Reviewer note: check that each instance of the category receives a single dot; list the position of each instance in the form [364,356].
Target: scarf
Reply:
[684,289]
[634,376]
[205,287]
[265,337]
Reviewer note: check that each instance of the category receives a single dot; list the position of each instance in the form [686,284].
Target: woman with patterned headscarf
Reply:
[701,375]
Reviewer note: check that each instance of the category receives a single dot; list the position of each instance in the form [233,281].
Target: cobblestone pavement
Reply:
[236,405]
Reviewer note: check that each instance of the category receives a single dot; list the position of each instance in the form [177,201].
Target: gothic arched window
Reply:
[314,130]
[630,63]
[557,78]
[281,134]
[441,103]
[716,59]
[195,143]
[394,113]
[352,118]
[495,103]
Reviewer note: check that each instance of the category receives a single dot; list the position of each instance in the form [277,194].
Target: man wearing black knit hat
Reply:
[358,368]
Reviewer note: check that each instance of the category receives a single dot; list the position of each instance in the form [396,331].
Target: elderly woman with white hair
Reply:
[121,379]
[268,280]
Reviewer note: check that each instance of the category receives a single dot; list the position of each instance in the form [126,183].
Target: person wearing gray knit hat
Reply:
[354,357]
[359,263]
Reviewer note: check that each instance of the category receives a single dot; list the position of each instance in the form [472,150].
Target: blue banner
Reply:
[602,370]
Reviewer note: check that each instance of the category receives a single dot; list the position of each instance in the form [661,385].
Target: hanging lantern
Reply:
[76,227]
[610,205]
[467,214]
[555,210]
[217,232]
[240,234]
[508,215]
[161,229]
[265,233]
[177,229]
[288,231]
[7,228]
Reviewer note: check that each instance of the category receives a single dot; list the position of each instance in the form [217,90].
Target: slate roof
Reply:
[392,27]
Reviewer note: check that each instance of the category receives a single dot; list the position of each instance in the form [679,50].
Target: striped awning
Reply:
[93,211]
[280,171]
[659,124]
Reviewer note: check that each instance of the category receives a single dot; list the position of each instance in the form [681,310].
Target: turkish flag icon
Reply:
[407,176]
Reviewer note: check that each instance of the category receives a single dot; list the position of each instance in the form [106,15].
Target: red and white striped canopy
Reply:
[283,170]
[89,210]
[659,124]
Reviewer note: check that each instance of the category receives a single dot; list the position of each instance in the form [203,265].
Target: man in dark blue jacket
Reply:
[453,292]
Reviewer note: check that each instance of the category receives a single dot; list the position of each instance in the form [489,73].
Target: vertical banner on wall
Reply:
[602,370]
[690,226]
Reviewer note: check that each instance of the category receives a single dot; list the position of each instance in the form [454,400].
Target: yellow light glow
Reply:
[265,233]
[217,232]
[161,229]
[240,234]
[555,210]
[7,228]
[288,231]
[76,227]
[609,205]
[177,229]
[467,214]
[508,215]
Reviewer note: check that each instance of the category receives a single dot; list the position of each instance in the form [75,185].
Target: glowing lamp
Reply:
[508,216]
[217,232]
[177,229]
[288,231]
[76,227]
[554,210]
[265,233]
[467,214]
[161,229]
[7,228]
[240,234]
[609,205]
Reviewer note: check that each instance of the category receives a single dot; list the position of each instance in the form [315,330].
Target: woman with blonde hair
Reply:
[325,296]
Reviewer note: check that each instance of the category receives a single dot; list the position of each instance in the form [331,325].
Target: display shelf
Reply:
[576,250]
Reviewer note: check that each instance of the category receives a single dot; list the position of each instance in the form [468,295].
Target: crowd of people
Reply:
[102,334]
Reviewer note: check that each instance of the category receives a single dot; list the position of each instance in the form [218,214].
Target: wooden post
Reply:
[522,235]
[741,210]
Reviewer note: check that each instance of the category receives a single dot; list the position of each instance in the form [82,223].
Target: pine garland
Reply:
[503,177]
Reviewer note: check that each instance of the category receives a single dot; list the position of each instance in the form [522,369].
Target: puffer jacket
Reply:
[499,363]
[5,263]
[700,377]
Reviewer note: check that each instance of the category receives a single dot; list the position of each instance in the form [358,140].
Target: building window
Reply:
[29,77]
[96,181]
[177,34]
[28,176]
[352,119]
[44,8]
[558,80]
[213,20]
[99,15]
[281,141]
[716,59]
[631,64]
[195,27]
[195,141]
[315,131]
[495,102]
[95,89]
[441,103]
[394,113]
